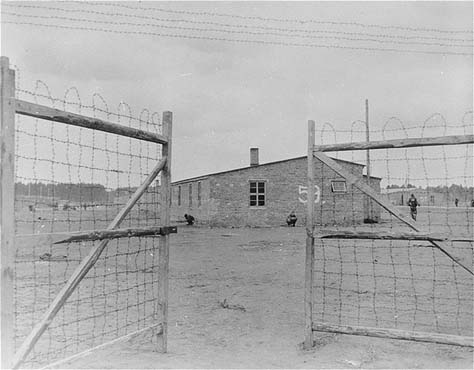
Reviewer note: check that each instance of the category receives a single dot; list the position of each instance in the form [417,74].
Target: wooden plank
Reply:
[367,166]
[163,286]
[396,334]
[56,115]
[393,235]
[362,186]
[80,272]
[118,233]
[309,259]
[7,210]
[398,143]
[54,365]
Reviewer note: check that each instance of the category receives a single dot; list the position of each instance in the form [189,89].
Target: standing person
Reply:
[413,203]
[456,201]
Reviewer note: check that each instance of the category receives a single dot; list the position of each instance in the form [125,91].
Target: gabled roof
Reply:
[260,165]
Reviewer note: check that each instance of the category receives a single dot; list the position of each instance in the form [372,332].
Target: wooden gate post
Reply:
[309,259]
[165,217]
[7,210]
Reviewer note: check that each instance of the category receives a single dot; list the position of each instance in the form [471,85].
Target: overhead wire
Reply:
[242,41]
[282,20]
[246,26]
[121,23]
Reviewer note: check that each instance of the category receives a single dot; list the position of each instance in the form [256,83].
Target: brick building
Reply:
[264,194]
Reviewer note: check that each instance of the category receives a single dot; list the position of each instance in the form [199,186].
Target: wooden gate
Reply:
[86,245]
[380,280]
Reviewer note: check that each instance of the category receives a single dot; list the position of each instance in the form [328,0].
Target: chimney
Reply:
[253,156]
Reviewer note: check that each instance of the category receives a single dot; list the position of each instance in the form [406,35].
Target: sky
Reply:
[227,96]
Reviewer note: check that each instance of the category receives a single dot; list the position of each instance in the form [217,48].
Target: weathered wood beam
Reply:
[155,327]
[7,210]
[83,268]
[118,233]
[164,251]
[396,334]
[50,114]
[363,187]
[398,143]
[391,235]
[309,255]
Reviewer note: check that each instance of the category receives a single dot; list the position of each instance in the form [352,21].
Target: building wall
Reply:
[226,196]
[199,208]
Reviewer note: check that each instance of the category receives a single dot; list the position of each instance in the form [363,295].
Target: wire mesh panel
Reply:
[376,282]
[76,179]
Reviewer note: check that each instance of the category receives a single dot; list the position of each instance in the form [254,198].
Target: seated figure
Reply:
[189,219]
[291,219]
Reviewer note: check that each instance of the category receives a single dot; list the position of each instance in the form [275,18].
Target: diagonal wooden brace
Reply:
[81,271]
[119,233]
[366,189]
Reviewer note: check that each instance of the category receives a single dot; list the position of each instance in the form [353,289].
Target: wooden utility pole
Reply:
[309,262]
[367,138]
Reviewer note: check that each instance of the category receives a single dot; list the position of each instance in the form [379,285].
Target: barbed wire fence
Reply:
[157,21]
[387,279]
[71,180]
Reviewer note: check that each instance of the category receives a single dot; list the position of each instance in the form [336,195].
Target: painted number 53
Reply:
[304,190]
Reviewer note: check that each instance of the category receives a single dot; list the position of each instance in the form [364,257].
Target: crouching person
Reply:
[291,219]
[189,219]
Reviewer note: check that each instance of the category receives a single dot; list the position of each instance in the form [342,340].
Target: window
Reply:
[432,199]
[338,186]
[190,195]
[257,193]
[179,195]
[199,194]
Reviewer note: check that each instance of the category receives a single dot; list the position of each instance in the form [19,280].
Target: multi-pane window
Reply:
[199,194]
[338,186]
[257,193]
[190,195]
[179,195]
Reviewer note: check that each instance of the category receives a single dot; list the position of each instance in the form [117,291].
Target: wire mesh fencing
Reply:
[71,179]
[384,279]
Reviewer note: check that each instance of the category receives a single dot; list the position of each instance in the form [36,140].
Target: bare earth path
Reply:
[261,270]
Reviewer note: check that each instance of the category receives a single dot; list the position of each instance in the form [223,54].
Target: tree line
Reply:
[81,192]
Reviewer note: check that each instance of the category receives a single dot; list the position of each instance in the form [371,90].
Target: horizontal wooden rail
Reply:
[396,334]
[40,111]
[118,233]
[390,235]
[397,143]
[157,328]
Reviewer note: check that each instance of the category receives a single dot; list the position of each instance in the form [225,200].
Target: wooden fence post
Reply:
[164,240]
[7,210]
[309,262]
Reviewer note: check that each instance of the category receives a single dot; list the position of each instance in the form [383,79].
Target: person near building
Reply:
[413,204]
[291,219]
[189,219]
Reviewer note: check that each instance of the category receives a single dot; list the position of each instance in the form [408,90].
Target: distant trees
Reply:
[81,193]
[395,186]
[454,190]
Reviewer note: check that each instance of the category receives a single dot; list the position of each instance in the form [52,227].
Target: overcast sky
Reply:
[229,96]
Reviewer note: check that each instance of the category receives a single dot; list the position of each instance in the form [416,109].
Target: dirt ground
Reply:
[260,273]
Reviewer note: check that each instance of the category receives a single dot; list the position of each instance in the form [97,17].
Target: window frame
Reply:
[338,191]
[258,194]
[190,195]
[199,189]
